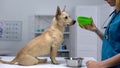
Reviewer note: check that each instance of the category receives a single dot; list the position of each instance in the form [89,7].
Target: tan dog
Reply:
[48,42]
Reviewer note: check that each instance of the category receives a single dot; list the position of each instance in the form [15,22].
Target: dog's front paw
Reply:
[56,63]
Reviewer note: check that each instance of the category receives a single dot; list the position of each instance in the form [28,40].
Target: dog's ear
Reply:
[58,12]
[64,8]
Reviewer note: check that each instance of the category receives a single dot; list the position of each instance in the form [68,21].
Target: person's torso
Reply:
[111,45]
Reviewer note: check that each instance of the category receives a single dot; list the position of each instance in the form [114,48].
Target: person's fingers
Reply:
[88,27]
[87,62]
[93,24]
[82,27]
[90,61]
[92,21]
[91,18]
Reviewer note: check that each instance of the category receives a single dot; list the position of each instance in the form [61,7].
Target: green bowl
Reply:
[84,21]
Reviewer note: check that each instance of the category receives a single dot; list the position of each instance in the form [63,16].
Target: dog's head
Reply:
[63,17]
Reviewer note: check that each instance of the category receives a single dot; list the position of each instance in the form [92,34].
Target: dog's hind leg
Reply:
[27,60]
[41,60]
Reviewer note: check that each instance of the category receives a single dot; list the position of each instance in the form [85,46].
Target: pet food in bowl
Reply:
[84,21]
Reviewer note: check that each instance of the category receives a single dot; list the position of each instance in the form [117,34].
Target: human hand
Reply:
[94,64]
[91,27]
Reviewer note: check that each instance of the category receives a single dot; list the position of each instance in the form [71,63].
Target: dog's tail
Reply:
[11,62]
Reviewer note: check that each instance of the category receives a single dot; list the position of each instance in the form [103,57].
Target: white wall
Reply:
[86,41]
[23,10]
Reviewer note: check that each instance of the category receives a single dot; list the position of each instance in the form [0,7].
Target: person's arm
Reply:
[104,64]
[112,61]
[99,33]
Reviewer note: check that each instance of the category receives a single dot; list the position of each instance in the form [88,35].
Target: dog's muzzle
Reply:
[73,22]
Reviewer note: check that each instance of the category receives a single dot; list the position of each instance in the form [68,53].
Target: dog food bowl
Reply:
[73,62]
[84,21]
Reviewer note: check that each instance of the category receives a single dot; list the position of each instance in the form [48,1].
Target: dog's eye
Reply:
[66,17]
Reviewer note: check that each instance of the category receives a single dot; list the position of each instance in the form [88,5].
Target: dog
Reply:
[46,43]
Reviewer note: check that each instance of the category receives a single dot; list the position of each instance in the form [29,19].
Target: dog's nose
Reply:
[74,22]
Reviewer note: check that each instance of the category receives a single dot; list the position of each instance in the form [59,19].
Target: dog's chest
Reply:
[57,37]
